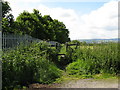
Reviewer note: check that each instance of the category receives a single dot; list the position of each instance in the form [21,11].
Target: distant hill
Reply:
[99,40]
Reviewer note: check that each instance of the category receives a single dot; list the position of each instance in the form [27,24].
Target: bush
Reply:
[29,64]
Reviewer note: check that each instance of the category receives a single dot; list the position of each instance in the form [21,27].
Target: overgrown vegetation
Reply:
[39,63]
[96,59]
[29,64]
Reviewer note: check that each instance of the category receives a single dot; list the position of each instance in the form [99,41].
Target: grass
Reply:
[98,62]
[67,78]
[82,47]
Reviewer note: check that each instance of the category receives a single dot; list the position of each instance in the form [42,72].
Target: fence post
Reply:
[76,45]
[5,39]
[56,45]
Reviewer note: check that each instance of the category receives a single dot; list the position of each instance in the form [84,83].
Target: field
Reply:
[39,63]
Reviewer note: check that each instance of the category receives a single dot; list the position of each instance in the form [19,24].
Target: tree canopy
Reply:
[35,25]
[7,18]
[5,8]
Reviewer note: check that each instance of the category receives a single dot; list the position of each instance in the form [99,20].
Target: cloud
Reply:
[34,1]
[25,1]
[100,23]
[68,16]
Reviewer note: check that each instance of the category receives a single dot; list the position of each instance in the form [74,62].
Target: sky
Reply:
[85,19]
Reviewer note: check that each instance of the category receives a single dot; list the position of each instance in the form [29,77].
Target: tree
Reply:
[31,24]
[42,27]
[5,8]
[34,24]
[7,18]
[56,30]
[62,34]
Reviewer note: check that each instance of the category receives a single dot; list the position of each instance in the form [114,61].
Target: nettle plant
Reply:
[29,64]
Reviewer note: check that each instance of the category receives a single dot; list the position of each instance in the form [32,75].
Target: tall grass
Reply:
[99,58]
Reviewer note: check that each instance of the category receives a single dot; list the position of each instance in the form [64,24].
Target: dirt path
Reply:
[90,83]
[81,83]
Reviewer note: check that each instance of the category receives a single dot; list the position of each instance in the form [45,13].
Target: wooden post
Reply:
[77,45]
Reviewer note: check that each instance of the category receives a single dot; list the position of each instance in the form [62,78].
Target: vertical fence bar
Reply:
[0,45]
[2,41]
[118,41]
[0,60]
[5,40]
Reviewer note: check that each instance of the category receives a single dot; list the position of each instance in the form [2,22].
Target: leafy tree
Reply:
[61,32]
[42,27]
[34,24]
[7,18]
[5,8]
[7,24]
[31,24]
[49,27]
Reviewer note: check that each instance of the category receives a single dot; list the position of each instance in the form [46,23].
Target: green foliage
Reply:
[7,18]
[29,64]
[42,27]
[80,67]
[8,24]
[75,42]
[34,24]
[68,58]
[99,58]
[5,8]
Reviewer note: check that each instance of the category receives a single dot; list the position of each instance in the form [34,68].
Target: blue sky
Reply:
[83,7]
[83,19]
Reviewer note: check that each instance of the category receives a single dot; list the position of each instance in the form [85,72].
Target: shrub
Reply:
[29,64]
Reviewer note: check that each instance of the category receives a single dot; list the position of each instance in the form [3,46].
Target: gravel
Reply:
[90,83]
